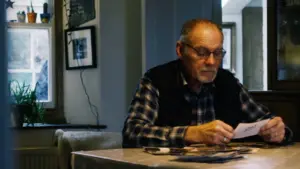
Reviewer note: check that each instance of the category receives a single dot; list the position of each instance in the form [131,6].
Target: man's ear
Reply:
[179,50]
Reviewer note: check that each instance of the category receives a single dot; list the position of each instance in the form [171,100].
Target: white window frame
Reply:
[51,60]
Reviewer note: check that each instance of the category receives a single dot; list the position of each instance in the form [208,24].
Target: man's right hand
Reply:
[215,132]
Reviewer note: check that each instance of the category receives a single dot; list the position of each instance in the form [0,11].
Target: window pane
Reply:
[11,13]
[27,2]
[37,2]
[20,77]
[40,48]
[288,40]
[42,82]
[19,49]
[21,5]
[29,52]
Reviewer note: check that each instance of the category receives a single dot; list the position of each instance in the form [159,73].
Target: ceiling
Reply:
[236,6]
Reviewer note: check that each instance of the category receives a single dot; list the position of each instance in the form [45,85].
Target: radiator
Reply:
[36,158]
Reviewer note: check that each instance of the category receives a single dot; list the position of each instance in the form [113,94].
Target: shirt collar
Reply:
[183,79]
[185,83]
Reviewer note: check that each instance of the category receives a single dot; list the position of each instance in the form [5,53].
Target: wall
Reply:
[112,83]
[232,12]
[253,47]
[119,49]
[76,109]
[163,23]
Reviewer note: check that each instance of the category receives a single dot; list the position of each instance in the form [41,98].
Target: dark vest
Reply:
[174,110]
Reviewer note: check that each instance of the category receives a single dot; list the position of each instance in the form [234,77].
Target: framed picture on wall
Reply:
[81,11]
[228,29]
[80,48]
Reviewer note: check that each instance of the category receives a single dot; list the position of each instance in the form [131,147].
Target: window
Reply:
[22,5]
[30,51]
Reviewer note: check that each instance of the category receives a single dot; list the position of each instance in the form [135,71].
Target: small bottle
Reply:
[45,16]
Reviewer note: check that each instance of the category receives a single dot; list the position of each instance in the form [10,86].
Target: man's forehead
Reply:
[203,30]
[205,33]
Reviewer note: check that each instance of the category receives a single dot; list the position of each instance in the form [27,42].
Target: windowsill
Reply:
[59,126]
[28,25]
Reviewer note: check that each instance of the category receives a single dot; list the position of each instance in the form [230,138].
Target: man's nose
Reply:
[211,60]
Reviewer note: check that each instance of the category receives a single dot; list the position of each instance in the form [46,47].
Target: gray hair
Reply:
[191,24]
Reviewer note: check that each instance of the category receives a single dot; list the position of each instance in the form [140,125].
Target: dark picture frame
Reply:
[80,48]
[280,17]
[81,11]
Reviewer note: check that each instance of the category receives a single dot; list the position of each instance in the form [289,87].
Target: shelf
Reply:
[28,25]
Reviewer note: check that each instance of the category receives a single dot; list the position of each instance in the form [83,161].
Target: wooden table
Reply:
[275,158]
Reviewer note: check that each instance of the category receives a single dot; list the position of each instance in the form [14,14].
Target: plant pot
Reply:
[21,18]
[45,17]
[18,112]
[31,17]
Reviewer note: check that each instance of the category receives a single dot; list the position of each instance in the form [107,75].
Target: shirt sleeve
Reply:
[140,129]
[257,112]
[253,110]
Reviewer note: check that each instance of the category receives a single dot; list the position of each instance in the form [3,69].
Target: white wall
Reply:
[238,61]
[234,6]
[112,83]
[75,104]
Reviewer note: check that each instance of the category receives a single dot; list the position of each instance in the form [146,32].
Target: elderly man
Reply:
[192,100]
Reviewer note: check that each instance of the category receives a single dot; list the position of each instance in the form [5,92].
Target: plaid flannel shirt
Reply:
[143,112]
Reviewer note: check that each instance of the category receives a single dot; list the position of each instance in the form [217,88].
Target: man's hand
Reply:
[215,132]
[273,131]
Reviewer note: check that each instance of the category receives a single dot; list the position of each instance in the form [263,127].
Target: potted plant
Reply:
[21,16]
[31,15]
[24,104]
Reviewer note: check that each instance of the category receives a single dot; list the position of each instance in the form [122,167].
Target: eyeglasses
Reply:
[204,53]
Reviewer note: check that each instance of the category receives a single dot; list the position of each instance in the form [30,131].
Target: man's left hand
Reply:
[273,131]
